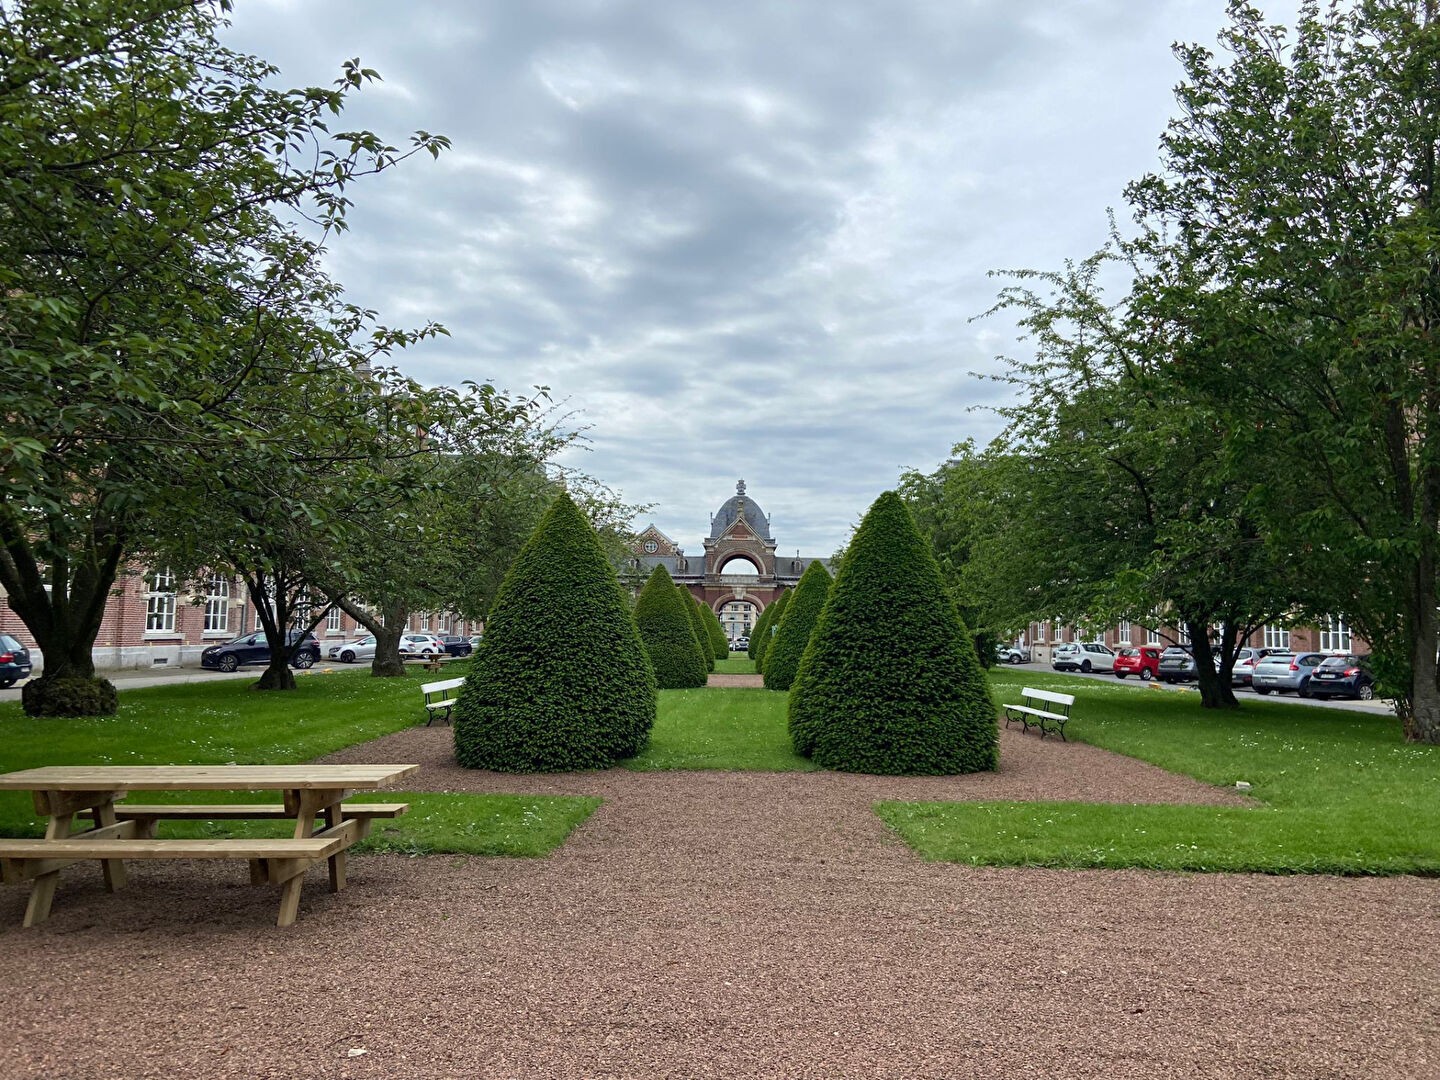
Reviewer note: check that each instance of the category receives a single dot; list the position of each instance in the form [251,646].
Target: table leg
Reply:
[113,869]
[334,814]
[42,892]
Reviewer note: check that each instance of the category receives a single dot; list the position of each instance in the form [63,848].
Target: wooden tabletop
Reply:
[201,777]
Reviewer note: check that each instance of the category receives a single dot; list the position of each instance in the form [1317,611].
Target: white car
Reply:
[348,652]
[1087,657]
[412,645]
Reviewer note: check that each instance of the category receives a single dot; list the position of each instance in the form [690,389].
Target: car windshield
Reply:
[1128,652]
[1175,654]
[1338,663]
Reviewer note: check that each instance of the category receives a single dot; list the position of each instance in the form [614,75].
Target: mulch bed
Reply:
[732,925]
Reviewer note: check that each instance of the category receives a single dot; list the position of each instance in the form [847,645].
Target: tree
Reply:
[561,680]
[140,167]
[783,658]
[890,682]
[777,613]
[663,618]
[759,630]
[718,639]
[697,625]
[1298,196]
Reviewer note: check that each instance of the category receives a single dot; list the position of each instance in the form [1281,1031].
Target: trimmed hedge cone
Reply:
[782,659]
[697,624]
[890,682]
[718,639]
[757,632]
[776,612]
[663,619]
[561,680]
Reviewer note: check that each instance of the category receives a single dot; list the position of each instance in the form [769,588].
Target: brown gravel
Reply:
[732,925]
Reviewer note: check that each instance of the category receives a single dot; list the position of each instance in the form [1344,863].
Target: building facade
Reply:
[1333,635]
[741,572]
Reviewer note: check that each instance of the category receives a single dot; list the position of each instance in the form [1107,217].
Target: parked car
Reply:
[740,644]
[1243,672]
[1012,654]
[347,652]
[254,649]
[1176,665]
[1087,657]
[456,645]
[14,661]
[1143,660]
[413,645]
[1343,676]
[1281,672]
[475,640]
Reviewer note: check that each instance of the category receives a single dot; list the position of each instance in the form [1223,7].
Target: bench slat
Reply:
[310,847]
[258,811]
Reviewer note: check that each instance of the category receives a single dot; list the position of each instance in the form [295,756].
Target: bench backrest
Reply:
[440,687]
[1049,695]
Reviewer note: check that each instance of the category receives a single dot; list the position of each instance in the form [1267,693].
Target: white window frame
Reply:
[1122,632]
[1276,637]
[217,606]
[1335,635]
[332,620]
[160,602]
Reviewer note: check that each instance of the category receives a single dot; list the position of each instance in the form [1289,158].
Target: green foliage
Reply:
[68,696]
[890,682]
[697,625]
[561,680]
[776,612]
[718,641]
[758,631]
[662,616]
[782,660]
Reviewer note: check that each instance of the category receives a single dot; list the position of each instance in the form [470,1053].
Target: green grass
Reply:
[738,664]
[1341,792]
[718,728]
[226,722]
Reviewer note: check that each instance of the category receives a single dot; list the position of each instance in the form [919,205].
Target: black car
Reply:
[1176,665]
[253,649]
[14,661]
[455,645]
[1343,676]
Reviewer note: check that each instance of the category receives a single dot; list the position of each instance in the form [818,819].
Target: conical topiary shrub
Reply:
[697,624]
[757,632]
[782,659]
[890,682]
[560,680]
[777,612]
[719,641]
[663,618]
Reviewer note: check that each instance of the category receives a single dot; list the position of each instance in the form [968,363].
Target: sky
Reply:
[741,240]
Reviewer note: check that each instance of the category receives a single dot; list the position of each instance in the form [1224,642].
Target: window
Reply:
[217,604]
[1152,635]
[1277,637]
[1055,632]
[332,621]
[160,602]
[1334,635]
[1122,631]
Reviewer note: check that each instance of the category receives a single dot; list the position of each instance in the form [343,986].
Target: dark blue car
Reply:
[14,661]
[253,649]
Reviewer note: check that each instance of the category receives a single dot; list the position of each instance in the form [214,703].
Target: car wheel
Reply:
[348,656]
[1145,675]
[1304,689]
[1120,674]
[1365,692]
[1013,658]
[1262,690]
[5,684]
[1085,666]
[228,662]
[304,660]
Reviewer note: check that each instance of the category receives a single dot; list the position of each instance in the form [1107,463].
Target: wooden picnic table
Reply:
[126,831]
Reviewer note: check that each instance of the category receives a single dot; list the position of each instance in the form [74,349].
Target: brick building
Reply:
[1333,636]
[739,536]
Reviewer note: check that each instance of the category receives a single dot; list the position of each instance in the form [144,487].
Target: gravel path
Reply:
[732,925]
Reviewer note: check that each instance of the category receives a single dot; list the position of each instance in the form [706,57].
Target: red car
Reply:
[1143,661]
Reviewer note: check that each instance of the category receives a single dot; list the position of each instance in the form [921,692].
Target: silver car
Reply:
[1285,672]
[349,651]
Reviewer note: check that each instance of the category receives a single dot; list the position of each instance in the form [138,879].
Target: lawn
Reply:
[226,722]
[714,728]
[737,664]
[1341,792]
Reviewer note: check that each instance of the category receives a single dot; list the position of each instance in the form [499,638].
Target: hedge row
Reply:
[782,659]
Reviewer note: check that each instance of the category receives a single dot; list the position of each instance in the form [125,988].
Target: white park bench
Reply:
[1032,712]
[440,698]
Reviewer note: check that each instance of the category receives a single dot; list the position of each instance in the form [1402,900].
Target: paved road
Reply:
[1244,693]
[135,678]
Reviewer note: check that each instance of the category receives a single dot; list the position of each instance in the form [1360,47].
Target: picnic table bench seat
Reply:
[1031,713]
[147,815]
[440,698]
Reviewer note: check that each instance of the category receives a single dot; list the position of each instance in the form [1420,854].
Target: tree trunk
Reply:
[1420,710]
[1215,689]
[387,630]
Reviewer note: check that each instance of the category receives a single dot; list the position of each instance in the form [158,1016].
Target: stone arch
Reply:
[735,622]
[749,556]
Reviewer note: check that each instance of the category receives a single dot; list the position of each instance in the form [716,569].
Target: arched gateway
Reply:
[739,534]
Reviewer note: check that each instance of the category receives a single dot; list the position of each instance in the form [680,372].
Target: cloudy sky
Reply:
[742,239]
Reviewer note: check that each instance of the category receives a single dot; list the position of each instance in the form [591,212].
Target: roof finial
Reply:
[740,488]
